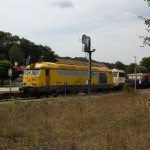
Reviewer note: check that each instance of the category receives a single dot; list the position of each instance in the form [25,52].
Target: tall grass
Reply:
[112,122]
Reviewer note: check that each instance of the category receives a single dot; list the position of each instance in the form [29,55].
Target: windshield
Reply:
[114,74]
[121,74]
[33,72]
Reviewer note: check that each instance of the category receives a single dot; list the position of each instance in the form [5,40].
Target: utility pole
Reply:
[86,41]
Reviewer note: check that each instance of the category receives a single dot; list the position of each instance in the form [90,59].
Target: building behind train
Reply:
[141,80]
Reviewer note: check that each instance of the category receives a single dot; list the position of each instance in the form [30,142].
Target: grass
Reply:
[109,122]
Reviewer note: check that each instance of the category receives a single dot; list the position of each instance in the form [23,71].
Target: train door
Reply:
[47,73]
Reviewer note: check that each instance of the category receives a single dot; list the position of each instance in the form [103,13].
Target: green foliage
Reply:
[112,122]
[141,69]
[9,49]
[130,68]
[146,63]
[148,1]
[81,58]
[16,54]
[128,89]
[146,39]
[4,66]
[119,65]
[109,65]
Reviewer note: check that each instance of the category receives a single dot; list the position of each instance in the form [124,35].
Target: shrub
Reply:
[128,89]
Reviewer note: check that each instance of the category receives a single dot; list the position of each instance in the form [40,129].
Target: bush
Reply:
[128,89]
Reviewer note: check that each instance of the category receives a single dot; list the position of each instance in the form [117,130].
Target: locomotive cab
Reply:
[31,77]
[34,81]
[118,78]
[32,72]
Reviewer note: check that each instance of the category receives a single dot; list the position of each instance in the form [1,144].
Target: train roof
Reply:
[117,70]
[48,65]
[77,62]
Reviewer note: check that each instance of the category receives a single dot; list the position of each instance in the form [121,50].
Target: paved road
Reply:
[7,89]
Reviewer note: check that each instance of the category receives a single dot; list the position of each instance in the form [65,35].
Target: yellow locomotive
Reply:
[46,78]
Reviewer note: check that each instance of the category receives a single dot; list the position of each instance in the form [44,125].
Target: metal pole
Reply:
[10,83]
[135,73]
[65,87]
[89,74]
[86,41]
[10,77]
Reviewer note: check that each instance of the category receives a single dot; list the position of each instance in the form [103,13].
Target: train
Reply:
[118,78]
[51,78]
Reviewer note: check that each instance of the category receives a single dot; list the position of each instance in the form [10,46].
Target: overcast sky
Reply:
[113,25]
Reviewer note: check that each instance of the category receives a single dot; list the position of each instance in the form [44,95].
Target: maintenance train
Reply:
[47,78]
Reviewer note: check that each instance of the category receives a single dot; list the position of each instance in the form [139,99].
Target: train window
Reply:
[71,73]
[102,78]
[114,74]
[35,72]
[27,72]
[121,74]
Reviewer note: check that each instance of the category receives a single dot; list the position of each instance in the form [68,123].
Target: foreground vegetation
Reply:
[116,122]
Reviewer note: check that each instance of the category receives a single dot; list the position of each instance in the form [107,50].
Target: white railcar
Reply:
[118,78]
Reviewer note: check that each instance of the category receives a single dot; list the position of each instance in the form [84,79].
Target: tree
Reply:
[130,68]
[26,48]
[146,39]
[4,66]
[146,63]
[15,53]
[141,69]
[148,1]
[119,65]
[109,65]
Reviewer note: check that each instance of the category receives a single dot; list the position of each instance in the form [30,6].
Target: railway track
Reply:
[16,95]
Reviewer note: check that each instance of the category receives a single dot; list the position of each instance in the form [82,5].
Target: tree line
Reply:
[19,49]
[14,49]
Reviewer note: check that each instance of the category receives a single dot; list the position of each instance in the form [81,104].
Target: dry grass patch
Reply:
[112,122]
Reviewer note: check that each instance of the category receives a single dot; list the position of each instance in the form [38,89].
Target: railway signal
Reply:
[86,41]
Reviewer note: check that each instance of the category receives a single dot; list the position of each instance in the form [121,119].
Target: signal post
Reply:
[86,41]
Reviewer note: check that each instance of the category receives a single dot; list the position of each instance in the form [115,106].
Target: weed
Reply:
[80,123]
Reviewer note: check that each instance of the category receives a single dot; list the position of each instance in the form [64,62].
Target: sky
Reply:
[112,25]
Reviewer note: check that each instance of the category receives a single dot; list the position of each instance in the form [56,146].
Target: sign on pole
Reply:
[10,72]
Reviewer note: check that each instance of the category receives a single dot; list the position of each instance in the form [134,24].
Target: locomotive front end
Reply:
[31,78]
[31,81]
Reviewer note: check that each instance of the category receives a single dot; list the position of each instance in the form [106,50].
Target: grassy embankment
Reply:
[110,122]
